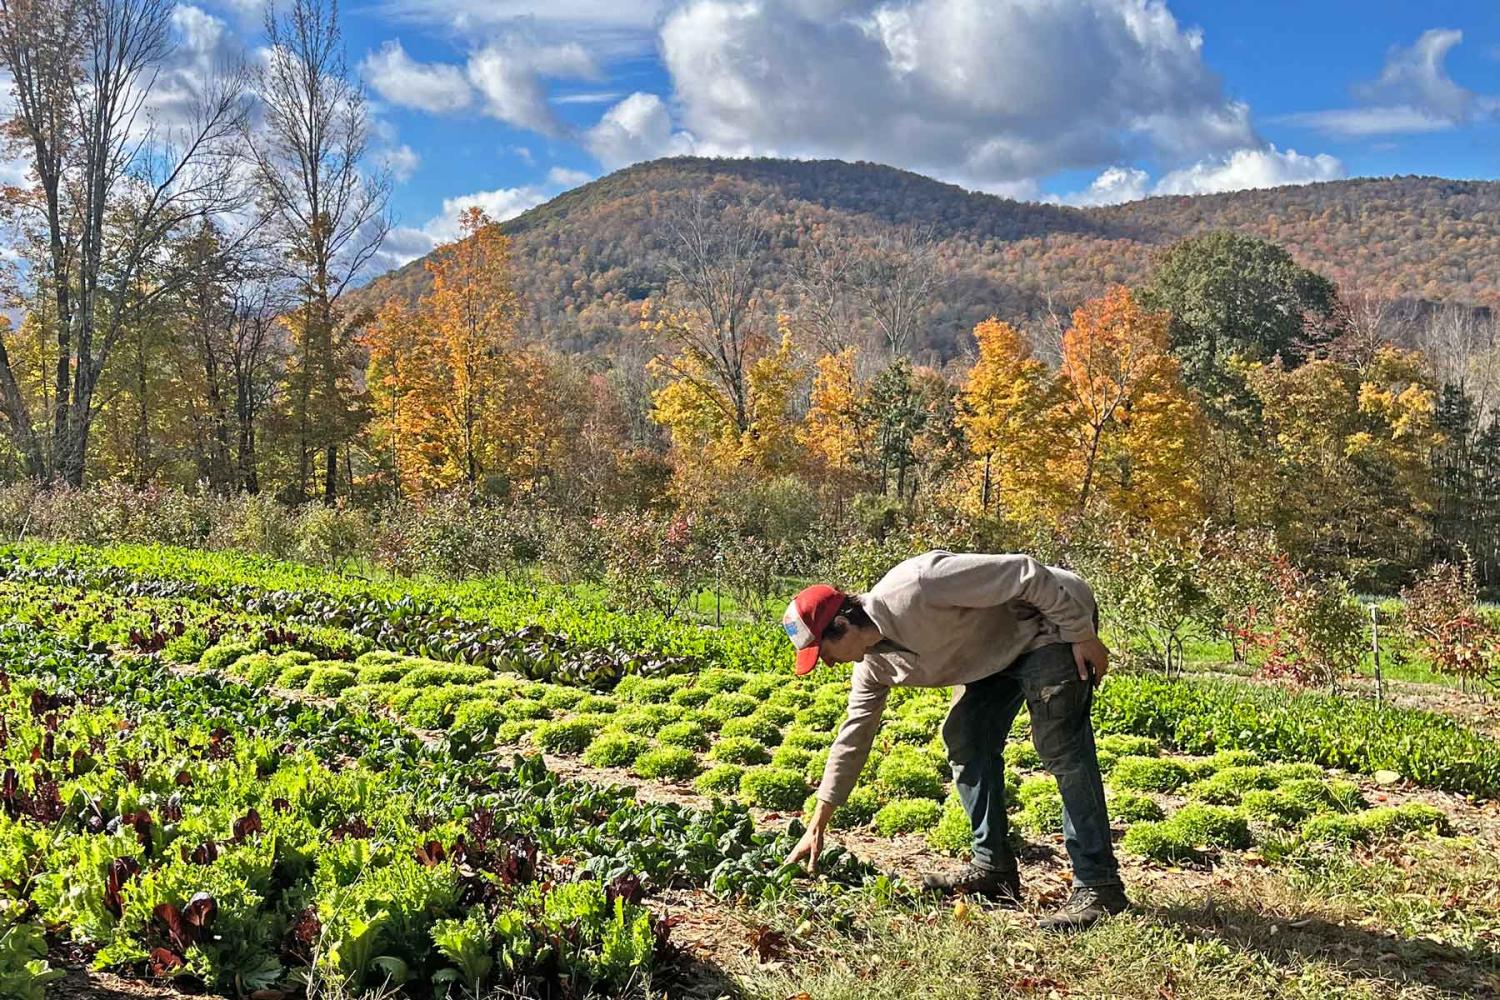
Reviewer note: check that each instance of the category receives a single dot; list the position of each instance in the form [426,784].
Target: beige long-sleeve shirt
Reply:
[951,619]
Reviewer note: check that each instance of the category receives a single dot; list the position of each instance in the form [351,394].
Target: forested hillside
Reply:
[586,259]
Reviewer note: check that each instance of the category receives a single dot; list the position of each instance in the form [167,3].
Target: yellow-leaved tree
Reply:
[1007,412]
[830,436]
[397,365]
[716,427]
[1349,452]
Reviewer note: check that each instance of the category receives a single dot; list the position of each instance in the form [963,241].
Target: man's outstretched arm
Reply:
[846,758]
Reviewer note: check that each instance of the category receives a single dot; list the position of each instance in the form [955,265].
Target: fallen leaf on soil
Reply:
[768,945]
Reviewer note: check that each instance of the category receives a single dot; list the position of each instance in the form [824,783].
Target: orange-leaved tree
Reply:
[1134,430]
[396,369]
[461,399]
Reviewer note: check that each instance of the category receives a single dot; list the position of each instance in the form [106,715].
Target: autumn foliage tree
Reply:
[830,434]
[1006,414]
[711,432]
[459,401]
[1132,428]
[1349,456]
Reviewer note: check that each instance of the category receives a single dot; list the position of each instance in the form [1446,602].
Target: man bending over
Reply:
[1000,630]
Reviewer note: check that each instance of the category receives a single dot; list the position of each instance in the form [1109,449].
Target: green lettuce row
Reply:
[1202,715]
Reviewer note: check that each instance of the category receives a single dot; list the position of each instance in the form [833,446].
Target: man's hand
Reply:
[810,847]
[1092,657]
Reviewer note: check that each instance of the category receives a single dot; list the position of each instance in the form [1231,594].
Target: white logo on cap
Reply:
[796,628]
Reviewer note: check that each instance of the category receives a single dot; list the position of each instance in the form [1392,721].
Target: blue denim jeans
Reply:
[1047,681]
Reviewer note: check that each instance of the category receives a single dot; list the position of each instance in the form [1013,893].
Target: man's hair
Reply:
[853,609]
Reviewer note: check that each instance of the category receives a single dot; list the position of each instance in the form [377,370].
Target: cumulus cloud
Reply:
[638,128]
[563,177]
[402,161]
[984,92]
[203,48]
[1251,168]
[1239,170]
[506,80]
[500,204]
[402,81]
[1413,94]
[1113,186]
[509,77]
[406,243]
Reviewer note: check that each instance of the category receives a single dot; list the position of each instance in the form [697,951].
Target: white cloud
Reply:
[505,80]
[1251,168]
[565,178]
[1413,94]
[638,128]
[402,245]
[500,204]
[1026,189]
[982,92]
[587,97]
[406,243]
[613,27]
[1244,168]
[1111,187]
[1417,76]
[510,78]
[244,8]
[401,80]
[203,47]
[1353,123]
[402,161]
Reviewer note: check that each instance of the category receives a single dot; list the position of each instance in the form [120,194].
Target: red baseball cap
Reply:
[807,618]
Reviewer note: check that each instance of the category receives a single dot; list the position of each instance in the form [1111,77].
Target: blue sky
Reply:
[505,103]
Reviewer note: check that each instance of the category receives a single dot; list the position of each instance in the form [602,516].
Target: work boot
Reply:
[1086,906]
[1001,887]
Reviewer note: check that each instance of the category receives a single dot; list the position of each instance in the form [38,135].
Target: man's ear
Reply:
[838,626]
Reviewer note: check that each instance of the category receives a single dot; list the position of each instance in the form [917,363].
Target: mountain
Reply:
[586,259]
